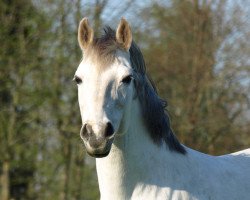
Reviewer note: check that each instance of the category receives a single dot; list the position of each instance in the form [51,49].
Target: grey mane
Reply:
[153,107]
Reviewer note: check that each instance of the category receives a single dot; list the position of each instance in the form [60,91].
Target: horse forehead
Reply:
[91,69]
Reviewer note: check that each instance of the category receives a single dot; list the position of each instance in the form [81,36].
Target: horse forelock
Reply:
[103,51]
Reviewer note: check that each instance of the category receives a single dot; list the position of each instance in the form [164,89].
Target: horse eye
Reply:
[127,79]
[77,79]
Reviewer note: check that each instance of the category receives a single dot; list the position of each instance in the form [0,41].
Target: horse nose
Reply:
[97,131]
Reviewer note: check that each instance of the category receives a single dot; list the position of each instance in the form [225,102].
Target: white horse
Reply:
[127,129]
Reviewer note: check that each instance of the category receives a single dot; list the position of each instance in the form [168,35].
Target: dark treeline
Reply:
[196,51]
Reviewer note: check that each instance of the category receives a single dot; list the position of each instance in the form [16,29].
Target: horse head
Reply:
[105,82]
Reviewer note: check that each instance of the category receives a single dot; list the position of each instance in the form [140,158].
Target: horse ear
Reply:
[124,34]
[85,34]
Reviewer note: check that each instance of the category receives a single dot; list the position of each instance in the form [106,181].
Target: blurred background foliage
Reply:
[197,52]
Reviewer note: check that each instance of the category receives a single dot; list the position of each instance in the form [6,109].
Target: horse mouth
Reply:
[98,155]
[99,152]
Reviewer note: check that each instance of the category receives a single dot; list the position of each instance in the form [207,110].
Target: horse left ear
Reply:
[124,34]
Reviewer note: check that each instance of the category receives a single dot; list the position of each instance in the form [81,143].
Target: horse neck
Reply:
[135,159]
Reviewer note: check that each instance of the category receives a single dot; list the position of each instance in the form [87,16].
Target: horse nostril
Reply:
[89,129]
[109,130]
[86,131]
[83,131]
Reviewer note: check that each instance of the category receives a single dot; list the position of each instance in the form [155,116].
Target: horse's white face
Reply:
[104,96]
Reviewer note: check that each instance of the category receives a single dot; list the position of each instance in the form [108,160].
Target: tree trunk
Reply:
[5,181]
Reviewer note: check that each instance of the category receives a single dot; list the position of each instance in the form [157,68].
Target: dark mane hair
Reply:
[152,106]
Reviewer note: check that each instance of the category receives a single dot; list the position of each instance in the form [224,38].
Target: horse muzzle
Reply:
[98,138]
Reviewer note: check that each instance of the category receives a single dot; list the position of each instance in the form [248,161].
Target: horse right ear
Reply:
[85,34]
